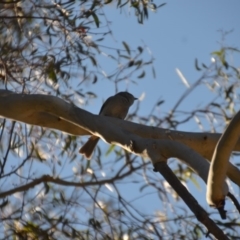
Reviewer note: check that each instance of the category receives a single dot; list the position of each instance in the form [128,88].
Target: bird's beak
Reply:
[135,98]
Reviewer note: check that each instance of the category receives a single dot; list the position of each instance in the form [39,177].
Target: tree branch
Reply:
[216,191]
[56,180]
[203,143]
[191,202]
[50,111]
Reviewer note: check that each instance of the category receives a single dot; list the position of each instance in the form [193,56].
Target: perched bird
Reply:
[116,106]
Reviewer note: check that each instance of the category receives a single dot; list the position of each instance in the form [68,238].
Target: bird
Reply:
[115,106]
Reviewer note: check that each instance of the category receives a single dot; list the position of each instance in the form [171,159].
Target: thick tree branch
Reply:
[203,143]
[217,173]
[47,111]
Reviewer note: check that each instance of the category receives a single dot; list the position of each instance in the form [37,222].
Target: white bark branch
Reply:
[154,143]
[203,143]
[216,191]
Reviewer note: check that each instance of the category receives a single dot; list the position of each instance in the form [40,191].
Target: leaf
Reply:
[34,51]
[94,62]
[110,149]
[140,18]
[194,181]
[99,39]
[3,204]
[95,79]
[96,20]
[88,164]
[216,105]
[80,94]
[153,72]
[153,7]
[119,2]
[124,56]
[149,62]
[229,91]
[131,63]
[138,63]
[221,55]
[62,198]
[161,5]
[135,4]
[46,188]
[196,65]
[143,187]
[91,94]
[94,223]
[126,47]
[204,66]
[51,73]
[217,53]
[160,102]
[233,49]
[145,10]
[142,75]
[225,64]
[140,49]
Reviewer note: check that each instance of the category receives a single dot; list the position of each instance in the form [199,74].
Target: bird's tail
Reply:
[88,147]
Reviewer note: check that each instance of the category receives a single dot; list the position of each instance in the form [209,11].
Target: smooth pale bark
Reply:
[203,143]
[218,169]
[155,143]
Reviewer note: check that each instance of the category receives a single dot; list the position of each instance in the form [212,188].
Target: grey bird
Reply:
[116,106]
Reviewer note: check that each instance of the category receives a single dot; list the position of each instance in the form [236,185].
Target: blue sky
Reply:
[177,34]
